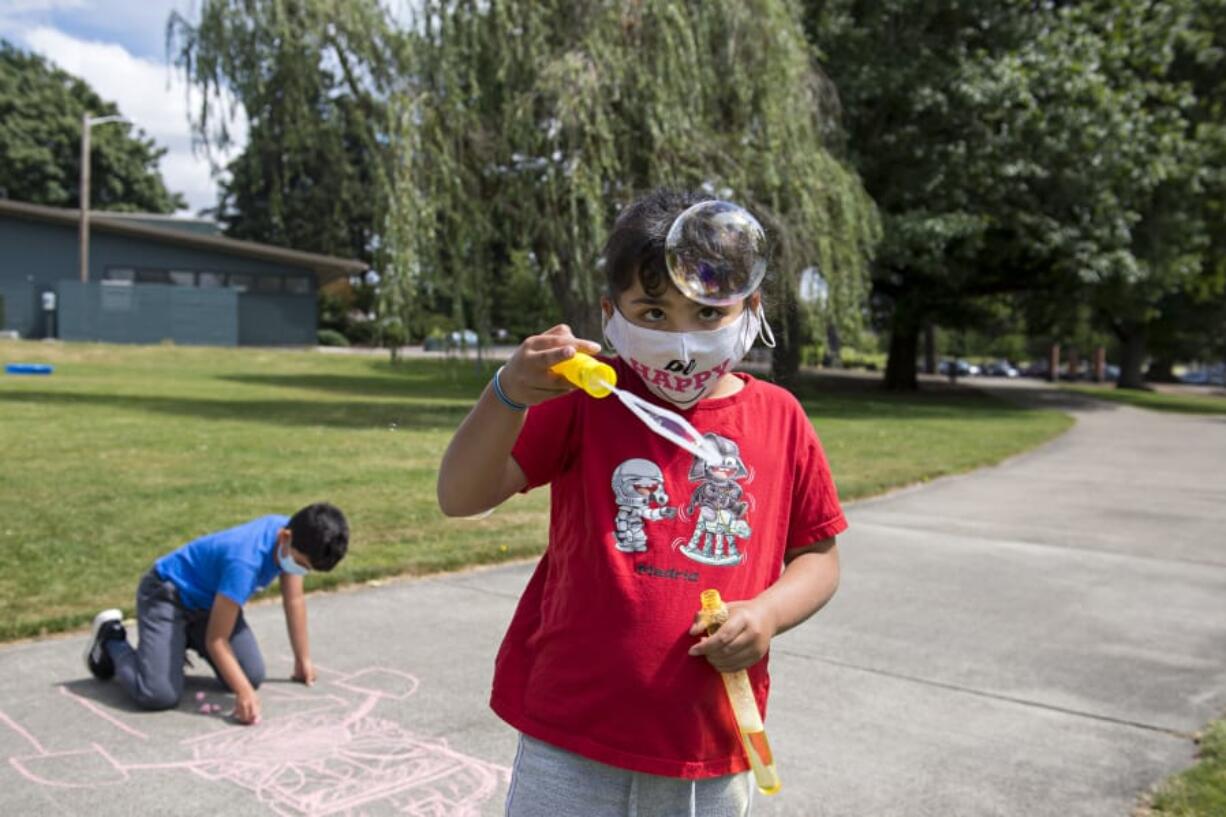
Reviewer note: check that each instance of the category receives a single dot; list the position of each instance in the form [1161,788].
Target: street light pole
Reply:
[87,122]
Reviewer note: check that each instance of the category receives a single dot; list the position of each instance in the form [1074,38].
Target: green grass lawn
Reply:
[1160,401]
[128,452]
[1201,790]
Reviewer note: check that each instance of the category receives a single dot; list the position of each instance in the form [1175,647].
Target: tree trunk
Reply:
[900,372]
[582,317]
[834,346]
[930,348]
[1161,370]
[1132,354]
[785,357]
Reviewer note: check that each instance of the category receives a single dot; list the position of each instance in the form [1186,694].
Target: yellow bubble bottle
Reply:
[745,707]
[588,373]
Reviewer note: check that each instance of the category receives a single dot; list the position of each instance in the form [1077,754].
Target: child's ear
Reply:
[285,537]
[606,307]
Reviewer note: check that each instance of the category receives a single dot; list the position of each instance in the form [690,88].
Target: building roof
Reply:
[327,267]
[199,226]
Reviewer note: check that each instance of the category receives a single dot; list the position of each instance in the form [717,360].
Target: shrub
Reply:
[330,337]
[362,333]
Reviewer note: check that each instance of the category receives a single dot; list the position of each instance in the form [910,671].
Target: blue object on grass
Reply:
[28,368]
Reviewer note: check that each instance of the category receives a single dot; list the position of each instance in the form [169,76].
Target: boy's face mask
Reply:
[288,565]
[683,367]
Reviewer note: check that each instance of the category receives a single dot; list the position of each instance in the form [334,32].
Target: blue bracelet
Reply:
[502,395]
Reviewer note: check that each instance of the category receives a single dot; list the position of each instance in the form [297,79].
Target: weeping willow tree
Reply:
[523,126]
[499,135]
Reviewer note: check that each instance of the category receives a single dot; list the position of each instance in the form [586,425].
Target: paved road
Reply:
[1035,639]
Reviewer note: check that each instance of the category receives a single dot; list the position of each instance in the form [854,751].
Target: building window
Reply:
[182,277]
[268,283]
[298,285]
[211,280]
[122,276]
[152,276]
[239,281]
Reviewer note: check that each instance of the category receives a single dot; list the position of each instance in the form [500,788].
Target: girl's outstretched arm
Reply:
[478,472]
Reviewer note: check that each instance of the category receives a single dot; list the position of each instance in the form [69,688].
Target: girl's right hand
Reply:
[526,377]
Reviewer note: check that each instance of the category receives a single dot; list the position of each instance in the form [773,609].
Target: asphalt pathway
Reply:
[1038,638]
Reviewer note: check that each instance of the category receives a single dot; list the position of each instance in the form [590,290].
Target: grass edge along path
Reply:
[1198,791]
[128,452]
[1182,403]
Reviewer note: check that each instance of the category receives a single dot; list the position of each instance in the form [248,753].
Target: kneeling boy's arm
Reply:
[222,619]
[293,602]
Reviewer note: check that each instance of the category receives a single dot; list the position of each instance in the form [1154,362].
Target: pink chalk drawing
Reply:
[332,756]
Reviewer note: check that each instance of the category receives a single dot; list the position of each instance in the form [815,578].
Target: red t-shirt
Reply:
[595,659]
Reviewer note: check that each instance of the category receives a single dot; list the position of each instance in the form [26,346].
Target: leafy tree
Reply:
[524,126]
[1145,177]
[1067,149]
[923,93]
[41,108]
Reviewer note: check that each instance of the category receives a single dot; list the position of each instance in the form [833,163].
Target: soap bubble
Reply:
[716,253]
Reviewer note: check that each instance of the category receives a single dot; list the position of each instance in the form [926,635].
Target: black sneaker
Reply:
[107,625]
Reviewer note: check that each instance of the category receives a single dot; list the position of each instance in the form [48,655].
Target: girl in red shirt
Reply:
[604,669]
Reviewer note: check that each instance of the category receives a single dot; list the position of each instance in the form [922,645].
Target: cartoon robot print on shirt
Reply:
[720,507]
[638,488]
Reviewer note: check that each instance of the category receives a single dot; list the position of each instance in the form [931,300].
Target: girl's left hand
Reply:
[741,641]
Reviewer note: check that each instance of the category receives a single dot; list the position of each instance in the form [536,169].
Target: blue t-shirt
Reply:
[235,562]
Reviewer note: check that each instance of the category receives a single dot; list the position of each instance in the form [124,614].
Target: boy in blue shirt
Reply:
[193,598]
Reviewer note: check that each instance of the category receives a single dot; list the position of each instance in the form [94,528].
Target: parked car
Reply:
[960,366]
[1037,368]
[1000,368]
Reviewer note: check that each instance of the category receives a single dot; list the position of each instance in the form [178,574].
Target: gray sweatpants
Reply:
[550,782]
[152,674]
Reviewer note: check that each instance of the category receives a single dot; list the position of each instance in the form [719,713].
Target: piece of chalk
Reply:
[199,696]
[204,708]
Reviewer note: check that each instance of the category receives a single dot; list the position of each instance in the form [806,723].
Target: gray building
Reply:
[153,279]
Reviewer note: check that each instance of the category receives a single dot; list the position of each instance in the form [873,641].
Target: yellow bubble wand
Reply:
[600,380]
[744,706]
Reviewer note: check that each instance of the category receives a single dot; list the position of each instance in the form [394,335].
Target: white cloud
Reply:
[150,94]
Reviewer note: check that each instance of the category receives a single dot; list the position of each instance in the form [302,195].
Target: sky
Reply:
[119,48]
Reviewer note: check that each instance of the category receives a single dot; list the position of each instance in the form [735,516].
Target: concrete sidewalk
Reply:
[1039,638]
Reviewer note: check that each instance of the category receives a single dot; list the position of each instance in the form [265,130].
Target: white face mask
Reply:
[683,367]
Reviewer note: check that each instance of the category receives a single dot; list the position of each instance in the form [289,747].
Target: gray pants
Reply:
[152,674]
[550,782]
